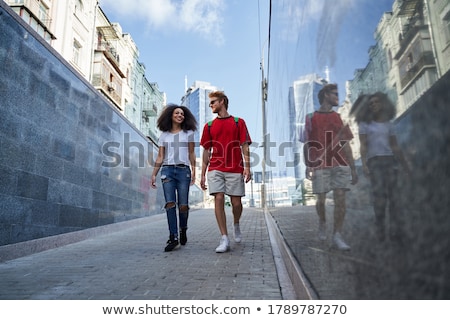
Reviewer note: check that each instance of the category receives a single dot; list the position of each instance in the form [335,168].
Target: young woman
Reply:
[176,158]
[380,156]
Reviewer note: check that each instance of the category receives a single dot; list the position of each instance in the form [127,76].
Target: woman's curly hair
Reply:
[363,113]
[164,122]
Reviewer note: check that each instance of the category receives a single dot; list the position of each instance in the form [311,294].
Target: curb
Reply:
[297,287]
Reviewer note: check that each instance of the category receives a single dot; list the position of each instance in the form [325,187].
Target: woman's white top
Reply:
[176,147]
[378,135]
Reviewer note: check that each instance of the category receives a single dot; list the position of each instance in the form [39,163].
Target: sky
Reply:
[225,42]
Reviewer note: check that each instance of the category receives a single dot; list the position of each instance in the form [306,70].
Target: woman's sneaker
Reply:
[172,244]
[224,245]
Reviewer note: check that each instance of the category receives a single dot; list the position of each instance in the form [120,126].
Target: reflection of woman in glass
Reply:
[176,156]
[380,155]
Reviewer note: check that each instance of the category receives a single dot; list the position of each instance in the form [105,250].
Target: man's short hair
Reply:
[326,89]
[219,95]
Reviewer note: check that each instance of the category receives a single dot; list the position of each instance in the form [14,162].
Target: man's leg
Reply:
[219,206]
[339,215]
[339,209]
[219,209]
[236,203]
[320,209]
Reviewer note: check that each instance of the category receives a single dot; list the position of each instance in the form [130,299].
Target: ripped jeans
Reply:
[176,181]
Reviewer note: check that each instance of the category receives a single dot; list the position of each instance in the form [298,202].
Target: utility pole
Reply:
[264,129]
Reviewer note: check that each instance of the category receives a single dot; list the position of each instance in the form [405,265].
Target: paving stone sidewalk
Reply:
[132,264]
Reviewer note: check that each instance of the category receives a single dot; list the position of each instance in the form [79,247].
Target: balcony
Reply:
[35,15]
[35,9]
[409,7]
[413,71]
[150,111]
[111,54]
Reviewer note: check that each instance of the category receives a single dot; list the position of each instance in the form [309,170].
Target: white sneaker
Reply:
[339,243]
[237,233]
[322,231]
[224,245]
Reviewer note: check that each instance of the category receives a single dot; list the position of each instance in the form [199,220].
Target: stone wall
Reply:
[68,159]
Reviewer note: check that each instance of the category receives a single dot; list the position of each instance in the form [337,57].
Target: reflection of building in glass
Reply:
[411,53]
[302,100]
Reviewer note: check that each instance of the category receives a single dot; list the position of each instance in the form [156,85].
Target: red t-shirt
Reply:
[325,135]
[225,137]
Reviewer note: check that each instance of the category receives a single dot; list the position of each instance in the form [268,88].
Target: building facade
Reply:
[100,51]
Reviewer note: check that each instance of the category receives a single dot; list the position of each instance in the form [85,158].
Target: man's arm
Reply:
[363,152]
[349,156]
[246,153]
[205,163]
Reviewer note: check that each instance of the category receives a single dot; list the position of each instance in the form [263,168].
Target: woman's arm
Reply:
[158,163]
[363,151]
[398,153]
[191,147]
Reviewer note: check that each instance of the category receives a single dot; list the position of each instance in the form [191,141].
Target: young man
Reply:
[329,160]
[226,156]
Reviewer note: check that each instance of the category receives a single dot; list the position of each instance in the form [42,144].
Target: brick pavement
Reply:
[280,258]
[131,264]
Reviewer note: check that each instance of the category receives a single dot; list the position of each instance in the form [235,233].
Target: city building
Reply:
[101,52]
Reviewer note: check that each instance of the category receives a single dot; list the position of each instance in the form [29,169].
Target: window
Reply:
[390,60]
[76,52]
[79,8]
[410,63]
[446,24]
[42,15]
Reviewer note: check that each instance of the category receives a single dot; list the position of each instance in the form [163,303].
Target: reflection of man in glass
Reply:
[329,160]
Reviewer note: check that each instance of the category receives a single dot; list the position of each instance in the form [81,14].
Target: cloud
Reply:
[296,15]
[328,31]
[324,18]
[201,17]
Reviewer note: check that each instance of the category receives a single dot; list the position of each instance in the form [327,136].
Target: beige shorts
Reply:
[325,180]
[231,184]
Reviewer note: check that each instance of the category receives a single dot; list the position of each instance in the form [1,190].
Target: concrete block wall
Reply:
[68,159]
